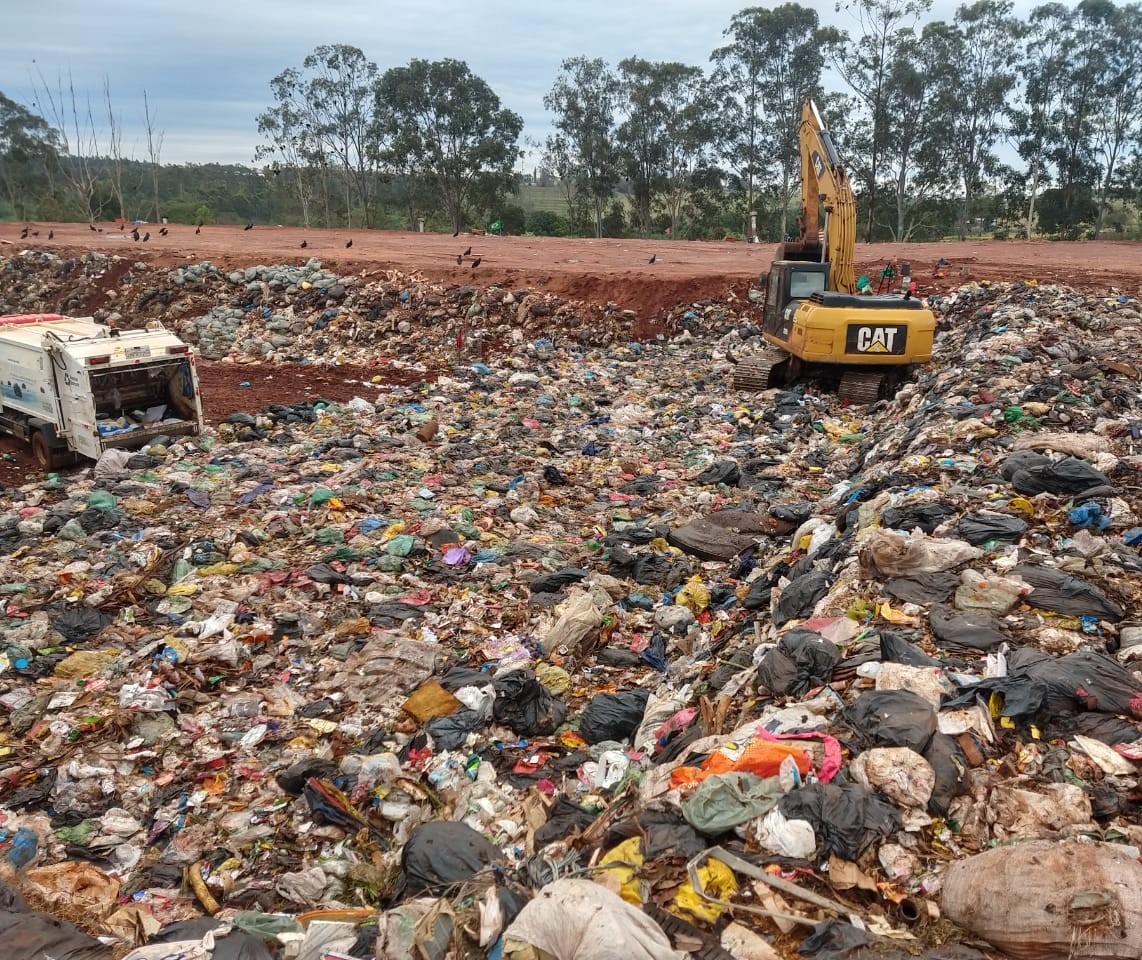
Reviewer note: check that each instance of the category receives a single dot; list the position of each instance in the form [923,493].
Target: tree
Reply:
[154,152]
[290,141]
[583,100]
[28,148]
[448,124]
[78,137]
[976,91]
[1118,115]
[918,153]
[666,135]
[886,36]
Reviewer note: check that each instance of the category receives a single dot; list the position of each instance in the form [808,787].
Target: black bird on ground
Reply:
[468,252]
[653,257]
[249,226]
[24,234]
[35,233]
[456,234]
[135,235]
[459,259]
[304,244]
[349,244]
[198,229]
[476,263]
[51,234]
[91,227]
[146,236]
[163,231]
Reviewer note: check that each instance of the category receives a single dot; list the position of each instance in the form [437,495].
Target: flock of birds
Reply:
[163,231]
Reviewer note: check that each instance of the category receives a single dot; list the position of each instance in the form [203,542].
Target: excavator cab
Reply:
[786,285]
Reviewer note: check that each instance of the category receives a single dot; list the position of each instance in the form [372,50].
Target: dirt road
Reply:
[599,270]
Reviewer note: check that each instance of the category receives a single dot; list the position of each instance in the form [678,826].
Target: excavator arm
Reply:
[824,183]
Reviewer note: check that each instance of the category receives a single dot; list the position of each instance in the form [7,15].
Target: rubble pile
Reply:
[290,313]
[576,654]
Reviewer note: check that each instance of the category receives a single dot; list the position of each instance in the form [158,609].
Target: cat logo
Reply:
[881,339]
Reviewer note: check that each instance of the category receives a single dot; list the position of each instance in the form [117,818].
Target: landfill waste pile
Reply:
[575,654]
[303,312]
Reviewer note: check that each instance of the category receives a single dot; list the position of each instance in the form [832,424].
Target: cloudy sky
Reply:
[206,65]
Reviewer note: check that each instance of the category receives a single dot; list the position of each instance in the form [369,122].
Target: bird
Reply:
[349,244]
[198,229]
[91,227]
[146,236]
[35,233]
[100,229]
[24,235]
[476,263]
[135,235]
[468,252]
[51,234]
[249,226]
[459,259]
[456,233]
[653,257]
[304,244]
[163,231]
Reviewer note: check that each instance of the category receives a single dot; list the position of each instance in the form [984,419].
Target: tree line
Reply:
[986,121]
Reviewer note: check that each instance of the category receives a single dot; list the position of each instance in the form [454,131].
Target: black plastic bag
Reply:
[442,852]
[323,573]
[459,677]
[965,631]
[758,596]
[566,817]
[294,779]
[799,598]
[1032,473]
[895,649]
[979,528]
[1069,595]
[891,718]
[450,732]
[847,819]
[526,705]
[801,660]
[834,940]
[948,762]
[554,582]
[923,587]
[664,834]
[1081,681]
[77,623]
[235,945]
[739,660]
[613,716]
[724,471]
[34,935]
[919,516]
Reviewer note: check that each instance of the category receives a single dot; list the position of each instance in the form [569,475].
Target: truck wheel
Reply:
[45,456]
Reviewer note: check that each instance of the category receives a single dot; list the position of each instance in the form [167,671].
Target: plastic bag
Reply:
[724,801]
[989,593]
[1062,593]
[892,718]
[900,774]
[965,631]
[980,528]
[724,471]
[1032,473]
[613,716]
[525,704]
[801,660]
[847,819]
[576,619]
[784,837]
[919,516]
[554,582]
[890,554]
[799,598]
[440,853]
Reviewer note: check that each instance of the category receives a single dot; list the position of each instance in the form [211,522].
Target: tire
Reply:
[46,457]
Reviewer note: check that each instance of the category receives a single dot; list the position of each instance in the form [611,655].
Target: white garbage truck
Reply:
[73,387]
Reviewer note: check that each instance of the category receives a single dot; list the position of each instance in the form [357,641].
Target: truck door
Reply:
[77,421]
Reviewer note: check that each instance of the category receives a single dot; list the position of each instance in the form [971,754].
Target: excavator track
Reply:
[861,386]
[763,372]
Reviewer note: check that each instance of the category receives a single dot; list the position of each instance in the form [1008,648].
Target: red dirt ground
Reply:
[599,270]
[587,269]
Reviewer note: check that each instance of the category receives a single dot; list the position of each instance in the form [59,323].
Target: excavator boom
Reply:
[824,183]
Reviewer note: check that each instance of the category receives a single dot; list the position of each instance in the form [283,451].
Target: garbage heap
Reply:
[581,656]
[295,312]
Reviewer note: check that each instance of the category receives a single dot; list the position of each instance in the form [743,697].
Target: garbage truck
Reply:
[73,387]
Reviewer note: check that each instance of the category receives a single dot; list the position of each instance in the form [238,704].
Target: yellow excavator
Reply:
[814,323]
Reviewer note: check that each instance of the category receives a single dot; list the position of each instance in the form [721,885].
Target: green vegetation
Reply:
[930,120]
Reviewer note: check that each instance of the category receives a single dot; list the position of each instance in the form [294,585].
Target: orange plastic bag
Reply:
[760,757]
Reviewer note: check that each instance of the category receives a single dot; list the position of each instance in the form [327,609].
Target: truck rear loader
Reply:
[73,387]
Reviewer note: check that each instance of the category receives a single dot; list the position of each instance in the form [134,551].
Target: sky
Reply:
[207,65]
